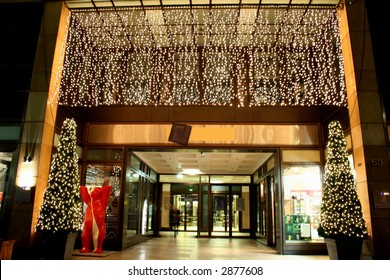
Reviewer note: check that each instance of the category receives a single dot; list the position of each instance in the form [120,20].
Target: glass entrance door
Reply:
[228,211]
[266,223]
[184,197]
[188,207]
[224,211]
[221,207]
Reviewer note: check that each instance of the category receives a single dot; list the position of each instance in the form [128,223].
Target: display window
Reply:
[302,199]
[96,175]
[5,166]
[139,207]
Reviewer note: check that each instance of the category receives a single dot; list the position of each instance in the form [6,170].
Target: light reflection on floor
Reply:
[186,246]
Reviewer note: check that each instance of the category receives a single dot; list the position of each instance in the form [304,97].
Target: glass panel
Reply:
[131,207]
[237,206]
[240,214]
[243,207]
[105,154]
[186,197]
[139,209]
[179,178]
[302,199]
[135,163]
[204,178]
[226,179]
[151,207]
[220,212]
[263,210]
[205,211]
[153,176]
[191,214]
[219,188]
[5,164]
[9,133]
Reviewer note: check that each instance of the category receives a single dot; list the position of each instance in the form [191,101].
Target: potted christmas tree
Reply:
[61,213]
[341,218]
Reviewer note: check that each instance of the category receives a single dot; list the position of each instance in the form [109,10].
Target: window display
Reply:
[302,200]
[96,175]
[5,163]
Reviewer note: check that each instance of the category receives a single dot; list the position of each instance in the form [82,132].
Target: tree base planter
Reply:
[58,245]
[6,247]
[344,249]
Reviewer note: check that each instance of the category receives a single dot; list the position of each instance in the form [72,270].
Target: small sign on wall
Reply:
[180,133]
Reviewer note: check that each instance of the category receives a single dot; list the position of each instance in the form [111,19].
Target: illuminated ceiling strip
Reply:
[299,68]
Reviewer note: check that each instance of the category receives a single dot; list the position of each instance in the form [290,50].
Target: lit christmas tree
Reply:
[341,212]
[62,206]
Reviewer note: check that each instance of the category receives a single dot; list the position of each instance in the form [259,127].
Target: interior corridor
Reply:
[187,247]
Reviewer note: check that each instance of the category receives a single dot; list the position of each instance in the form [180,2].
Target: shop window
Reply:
[302,200]
[139,211]
[105,154]
[5,166]
[96,175]
[131,207]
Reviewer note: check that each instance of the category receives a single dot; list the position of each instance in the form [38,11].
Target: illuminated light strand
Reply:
[202,56]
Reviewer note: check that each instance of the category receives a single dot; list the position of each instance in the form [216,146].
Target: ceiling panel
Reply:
[207,162]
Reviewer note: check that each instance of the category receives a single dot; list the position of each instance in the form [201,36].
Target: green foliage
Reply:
[61,209]
[341,212]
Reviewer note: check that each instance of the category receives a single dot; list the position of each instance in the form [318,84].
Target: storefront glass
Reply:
[139,207]
[185,198]
[96,175]
[131,204]
[302,199]
[5,168]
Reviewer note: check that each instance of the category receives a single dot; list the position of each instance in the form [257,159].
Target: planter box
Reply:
[6,249]
[344,249]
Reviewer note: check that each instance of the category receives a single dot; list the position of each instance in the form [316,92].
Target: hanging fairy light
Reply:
[219,56]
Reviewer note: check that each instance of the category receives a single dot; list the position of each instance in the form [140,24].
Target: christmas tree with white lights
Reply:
[341,211]
[61,209]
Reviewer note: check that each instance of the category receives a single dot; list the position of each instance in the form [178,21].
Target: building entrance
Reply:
[184,197]
[224,211]
[188,207]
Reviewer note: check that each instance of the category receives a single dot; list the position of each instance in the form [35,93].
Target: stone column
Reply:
[39,124]
[367,126]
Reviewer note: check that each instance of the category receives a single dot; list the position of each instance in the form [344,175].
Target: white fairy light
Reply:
[203,56]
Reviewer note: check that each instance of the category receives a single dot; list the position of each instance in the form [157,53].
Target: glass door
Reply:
[220,210]
[221,213]
[188,207]
[224,211]
[228,211]
[185,198]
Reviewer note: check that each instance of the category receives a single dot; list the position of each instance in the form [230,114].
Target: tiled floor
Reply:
[187,247]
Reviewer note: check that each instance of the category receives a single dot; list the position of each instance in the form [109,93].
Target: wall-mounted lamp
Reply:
[27,158]
[30,146]
[27,175]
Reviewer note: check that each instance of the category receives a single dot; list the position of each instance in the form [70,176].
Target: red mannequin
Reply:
[94,229]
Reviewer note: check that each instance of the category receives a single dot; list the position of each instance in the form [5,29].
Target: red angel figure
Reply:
[94,229]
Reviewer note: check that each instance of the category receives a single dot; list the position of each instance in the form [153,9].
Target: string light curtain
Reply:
[226,56]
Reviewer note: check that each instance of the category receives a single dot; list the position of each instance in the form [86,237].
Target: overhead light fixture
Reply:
[191,172]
